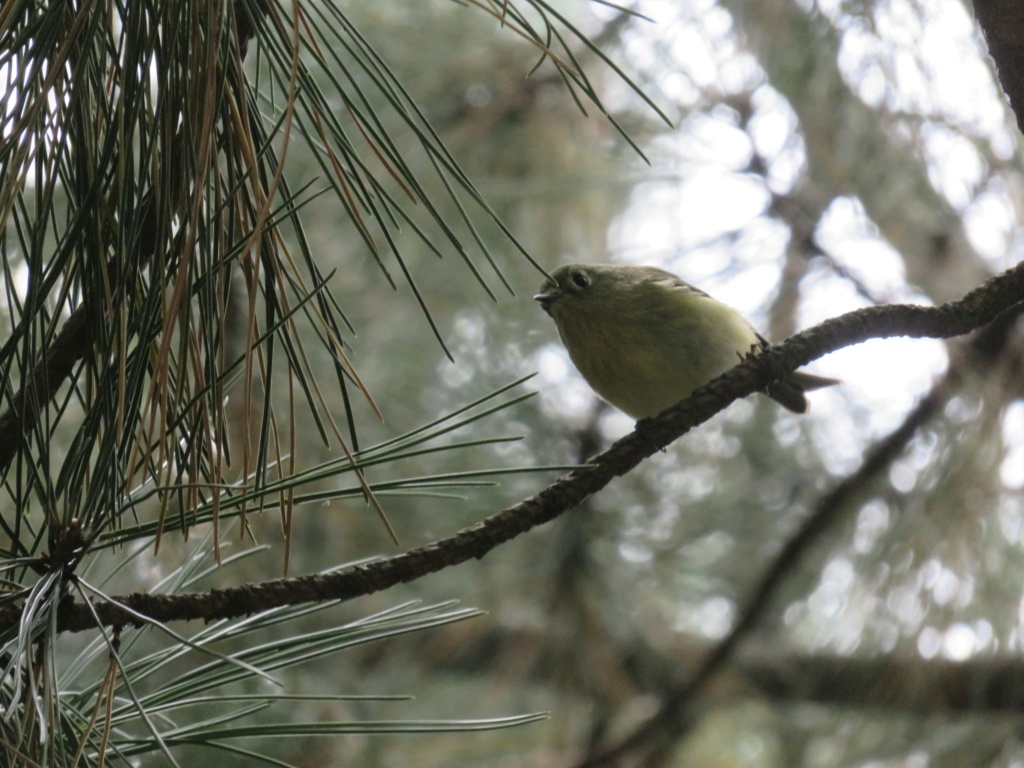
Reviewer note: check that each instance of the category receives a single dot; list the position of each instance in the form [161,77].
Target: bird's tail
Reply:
[789,392]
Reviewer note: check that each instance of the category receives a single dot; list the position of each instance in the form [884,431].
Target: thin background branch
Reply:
[673,718]
[977,309]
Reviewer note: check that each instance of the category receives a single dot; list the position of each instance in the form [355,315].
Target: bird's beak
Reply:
[545,300]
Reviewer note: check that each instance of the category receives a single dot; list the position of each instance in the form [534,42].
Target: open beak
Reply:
[545,300]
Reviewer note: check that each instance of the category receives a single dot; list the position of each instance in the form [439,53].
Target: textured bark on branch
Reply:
[977,309]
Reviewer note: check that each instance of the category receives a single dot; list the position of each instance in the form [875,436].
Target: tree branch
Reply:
[1002,22]
[978,308]
[673,720]
[901,683]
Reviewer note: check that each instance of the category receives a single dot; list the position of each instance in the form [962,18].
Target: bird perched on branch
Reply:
[644,339]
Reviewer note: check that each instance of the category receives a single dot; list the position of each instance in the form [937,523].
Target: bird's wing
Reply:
[656,275]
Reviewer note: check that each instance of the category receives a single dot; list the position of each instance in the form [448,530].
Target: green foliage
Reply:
[172,336]
[205,202]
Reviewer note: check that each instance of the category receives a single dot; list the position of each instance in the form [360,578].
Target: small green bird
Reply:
[644,339]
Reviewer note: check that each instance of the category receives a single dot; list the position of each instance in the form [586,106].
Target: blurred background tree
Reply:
[822,157]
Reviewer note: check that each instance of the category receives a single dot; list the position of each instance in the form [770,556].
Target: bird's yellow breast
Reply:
[649,355]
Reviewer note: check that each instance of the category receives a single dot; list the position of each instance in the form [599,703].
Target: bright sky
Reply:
[698,191]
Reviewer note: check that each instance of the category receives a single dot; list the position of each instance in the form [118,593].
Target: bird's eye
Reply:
[581,280]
